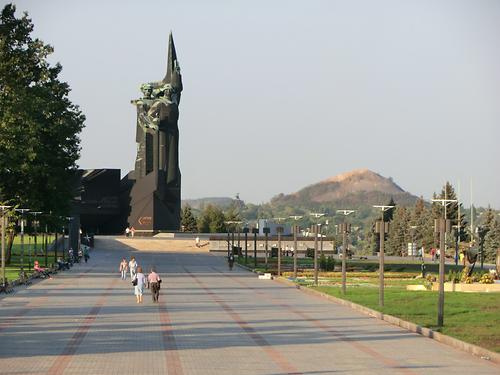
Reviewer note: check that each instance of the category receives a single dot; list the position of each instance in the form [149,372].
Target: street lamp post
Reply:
[69,219]
[345,228]
[315,232]
[266,231]
[279,229]
[35,226]
[3,210]
[255,231]
[22,211]
[382,228]
[245,232]
[442,226]
[296,229]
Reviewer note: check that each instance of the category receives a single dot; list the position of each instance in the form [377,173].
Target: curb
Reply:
[412,327]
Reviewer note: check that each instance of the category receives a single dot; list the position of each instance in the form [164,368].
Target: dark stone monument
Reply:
[155,197]
[149,197]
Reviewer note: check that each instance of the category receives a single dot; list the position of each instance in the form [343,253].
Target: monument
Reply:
[155,197]
[149,197]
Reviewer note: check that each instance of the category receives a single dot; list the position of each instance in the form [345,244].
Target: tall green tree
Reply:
[211,220]
[188,221]
[492,241]
[39,126]
[399,232]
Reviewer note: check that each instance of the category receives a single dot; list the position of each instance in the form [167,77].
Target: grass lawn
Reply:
[12,270]
[471,317]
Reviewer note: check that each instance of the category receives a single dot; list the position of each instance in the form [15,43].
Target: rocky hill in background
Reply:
[355,189]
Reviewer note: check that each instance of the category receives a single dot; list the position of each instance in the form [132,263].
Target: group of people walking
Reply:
[139,280]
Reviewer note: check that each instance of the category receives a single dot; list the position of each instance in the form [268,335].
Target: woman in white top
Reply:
[132,266]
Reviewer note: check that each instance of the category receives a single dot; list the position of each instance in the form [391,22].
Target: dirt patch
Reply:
[163,245]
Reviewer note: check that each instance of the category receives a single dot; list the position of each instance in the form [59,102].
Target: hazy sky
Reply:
[282,94]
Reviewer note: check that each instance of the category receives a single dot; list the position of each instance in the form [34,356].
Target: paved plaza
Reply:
[209,321]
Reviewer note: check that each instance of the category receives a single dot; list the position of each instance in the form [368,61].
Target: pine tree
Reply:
[399,232]
[492,241]
[188,221]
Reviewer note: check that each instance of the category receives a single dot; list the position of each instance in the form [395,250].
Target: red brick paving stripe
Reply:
[273,353]
[172,359]
[63,360]
[353,342]
[33,304]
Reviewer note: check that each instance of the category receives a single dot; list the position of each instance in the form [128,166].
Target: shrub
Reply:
[322,262]
[330,264]
[454,276]
[486,279]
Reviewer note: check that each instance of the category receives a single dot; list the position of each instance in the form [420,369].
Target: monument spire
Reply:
[172,63]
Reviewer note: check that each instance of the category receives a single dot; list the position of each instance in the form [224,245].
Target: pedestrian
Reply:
[138,281]
[132,231]
[124,268]
[462,258]
[86,255]
[127,231]
[154,282]
[197,241]
[132,266]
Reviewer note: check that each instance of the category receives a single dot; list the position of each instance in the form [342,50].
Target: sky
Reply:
[279,95]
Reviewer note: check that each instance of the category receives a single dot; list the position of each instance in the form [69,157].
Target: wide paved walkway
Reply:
[208,321]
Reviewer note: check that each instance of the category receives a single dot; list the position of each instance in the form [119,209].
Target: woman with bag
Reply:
[138,281]
[154,281]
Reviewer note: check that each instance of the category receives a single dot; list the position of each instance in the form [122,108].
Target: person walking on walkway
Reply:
[132,266]
[138,281]
[124,268]
[154,282]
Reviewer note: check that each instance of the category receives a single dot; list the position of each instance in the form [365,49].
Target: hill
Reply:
[355,189]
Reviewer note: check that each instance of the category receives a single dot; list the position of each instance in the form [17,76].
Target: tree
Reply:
[211,220]
[188,221]
[39,126]
[399,232]
[492,241]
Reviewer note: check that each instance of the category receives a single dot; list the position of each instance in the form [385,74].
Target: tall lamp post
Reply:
[279,229]
[382,228]
[295,230]
[245,232]
[22,222]
[266,231]
[315,232]
[255,231]
[442,226]
[3,210]
[35,226]
[345,229]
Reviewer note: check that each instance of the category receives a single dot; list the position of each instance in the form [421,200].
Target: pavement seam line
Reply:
[274,354]
[359,346]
